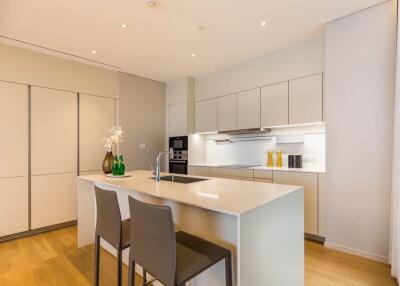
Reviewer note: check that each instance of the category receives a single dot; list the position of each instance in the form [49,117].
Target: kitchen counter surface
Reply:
[285,169]
[227,196]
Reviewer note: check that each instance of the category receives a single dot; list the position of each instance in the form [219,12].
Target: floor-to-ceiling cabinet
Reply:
[49,136]
[14,199]
[54,156]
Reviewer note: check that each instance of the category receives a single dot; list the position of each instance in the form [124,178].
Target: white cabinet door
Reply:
[96,118]
[275,105]
[53,199]
[207,115]
[321,205]
[248,106]
[178,119]
[310,183]
[54,121]
[13,205]
[305,100]
[227,112]
[14,129]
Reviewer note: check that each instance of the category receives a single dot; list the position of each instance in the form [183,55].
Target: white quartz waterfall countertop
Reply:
[227,196]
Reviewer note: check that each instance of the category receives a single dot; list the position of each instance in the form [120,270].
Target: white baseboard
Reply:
[356,252]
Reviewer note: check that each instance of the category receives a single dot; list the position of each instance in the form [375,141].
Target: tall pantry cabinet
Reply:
[48,137]
[14,158]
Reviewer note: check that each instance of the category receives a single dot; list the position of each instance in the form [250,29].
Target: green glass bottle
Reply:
[115,166]
[121,166]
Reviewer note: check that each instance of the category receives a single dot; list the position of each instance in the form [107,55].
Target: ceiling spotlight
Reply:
[124,26]
[263,23]
[151,3]
[193,55]
[94,52]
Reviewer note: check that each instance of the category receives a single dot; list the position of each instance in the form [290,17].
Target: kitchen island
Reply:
[262,224]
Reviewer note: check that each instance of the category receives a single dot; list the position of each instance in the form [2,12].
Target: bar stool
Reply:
[111,228]
[172,258]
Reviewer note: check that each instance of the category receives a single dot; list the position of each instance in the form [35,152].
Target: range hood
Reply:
[245,131]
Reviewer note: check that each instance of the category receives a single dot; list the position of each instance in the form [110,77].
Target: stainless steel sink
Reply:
[180,179]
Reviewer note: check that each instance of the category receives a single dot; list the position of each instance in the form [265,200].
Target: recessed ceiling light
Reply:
[193,55]
[151,3]
[94,52]
[263,23]
[124,26]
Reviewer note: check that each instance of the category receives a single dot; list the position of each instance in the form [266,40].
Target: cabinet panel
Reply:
[14,128]
[305,100]
[275,105]
[207,115]
[227,112]
[199,171]
[249,109]
[54,121]
[321,205]
[96,118]
[13,205]
[310,183]
[53,199]
[269,181]
[178,119]
[263,174]
[231,172]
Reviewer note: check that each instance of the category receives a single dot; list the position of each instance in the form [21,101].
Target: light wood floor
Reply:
[53,258]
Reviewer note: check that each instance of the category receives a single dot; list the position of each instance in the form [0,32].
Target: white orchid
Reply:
[114,138]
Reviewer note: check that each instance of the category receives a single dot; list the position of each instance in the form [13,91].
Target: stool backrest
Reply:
[153,243]
[108,223]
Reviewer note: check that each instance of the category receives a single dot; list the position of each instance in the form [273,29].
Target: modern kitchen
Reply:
[181,143]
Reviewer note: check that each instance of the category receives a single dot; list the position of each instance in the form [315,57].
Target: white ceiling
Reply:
[159,42]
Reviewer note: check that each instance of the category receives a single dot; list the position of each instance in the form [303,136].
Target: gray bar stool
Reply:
[111,228]
[172,258]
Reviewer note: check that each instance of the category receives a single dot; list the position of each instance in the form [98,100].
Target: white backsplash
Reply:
[255,152]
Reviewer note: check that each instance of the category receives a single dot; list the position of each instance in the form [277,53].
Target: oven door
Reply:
[178,167]
[178,143]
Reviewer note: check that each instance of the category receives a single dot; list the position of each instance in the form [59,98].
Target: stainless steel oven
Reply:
[179,162]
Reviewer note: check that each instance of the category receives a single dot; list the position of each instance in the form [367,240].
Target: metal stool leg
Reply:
[119,267]
[131,274]
[228,270]
[144,276]
[96,260]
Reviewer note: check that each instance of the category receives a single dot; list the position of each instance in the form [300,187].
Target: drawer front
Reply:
[269,181]
[231,172]
[199,171]
[263,174]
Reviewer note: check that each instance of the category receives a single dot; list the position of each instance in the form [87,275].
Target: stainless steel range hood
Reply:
[245,131]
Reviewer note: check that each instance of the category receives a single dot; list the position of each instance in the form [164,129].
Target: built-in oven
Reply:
[178,143]
[178,163]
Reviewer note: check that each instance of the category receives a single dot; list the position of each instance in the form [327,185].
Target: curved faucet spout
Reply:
[157,172]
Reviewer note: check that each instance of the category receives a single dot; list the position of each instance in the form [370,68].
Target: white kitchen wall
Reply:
[255,152]
[359,93]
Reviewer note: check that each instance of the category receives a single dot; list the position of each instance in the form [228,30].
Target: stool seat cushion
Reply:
[194,255]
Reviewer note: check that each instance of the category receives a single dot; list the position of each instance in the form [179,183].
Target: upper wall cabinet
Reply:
[96,118]
[207,115]
[54,121]
[274,105]
[248,109]
[178,119]
[305,100]
[227,112]
[14,128]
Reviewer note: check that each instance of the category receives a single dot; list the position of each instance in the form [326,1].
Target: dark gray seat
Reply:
[172,258]
[111,228]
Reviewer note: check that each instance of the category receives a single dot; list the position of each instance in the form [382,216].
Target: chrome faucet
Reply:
[157,172]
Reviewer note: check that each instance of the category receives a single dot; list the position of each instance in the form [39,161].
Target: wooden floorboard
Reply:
[52,258]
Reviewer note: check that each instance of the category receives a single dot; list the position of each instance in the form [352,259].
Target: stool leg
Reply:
[144,276]
[228,270]
[131,273]
[119,267]
[96,260]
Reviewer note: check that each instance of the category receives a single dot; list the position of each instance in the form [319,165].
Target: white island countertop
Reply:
[233,197]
